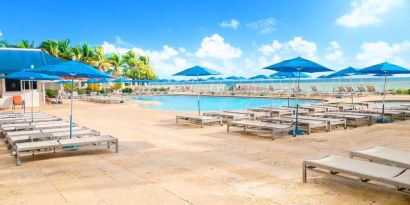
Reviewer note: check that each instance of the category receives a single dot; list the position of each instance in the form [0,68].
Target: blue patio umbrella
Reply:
[61,82]
[298,65]
[72,69]
[349,71]
[384,69]
[232,78]
[30,76]
[259,77]
[197,71]
[290,75]
[122,80]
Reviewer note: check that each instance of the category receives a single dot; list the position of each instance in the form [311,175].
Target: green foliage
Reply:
[25,44]
[81,91]
[116,86]
[127,90]
[160,89]
[51,93]
[403,91]
[94,87]
[69,87]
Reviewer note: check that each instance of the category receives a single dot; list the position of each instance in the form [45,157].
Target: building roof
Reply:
[17,59]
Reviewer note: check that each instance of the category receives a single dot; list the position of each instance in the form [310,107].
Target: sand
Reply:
[160,162]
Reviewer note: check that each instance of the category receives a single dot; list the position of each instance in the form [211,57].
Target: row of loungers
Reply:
[382,165]
[28,134]
[102,99]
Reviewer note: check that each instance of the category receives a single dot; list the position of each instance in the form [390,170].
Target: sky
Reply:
[234,37]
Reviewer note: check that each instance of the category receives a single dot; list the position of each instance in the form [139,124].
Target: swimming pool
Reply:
[391,103]
[211,103]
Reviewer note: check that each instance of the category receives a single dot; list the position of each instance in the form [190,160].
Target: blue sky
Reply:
[234,37]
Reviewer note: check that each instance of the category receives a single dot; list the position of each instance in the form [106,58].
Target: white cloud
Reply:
[335,52]
[167,52]
[294,47]
[368,12]
[232,23]
[377,52]
[1,33]
[264,25]
[111,48]
[269,49]
[216,47]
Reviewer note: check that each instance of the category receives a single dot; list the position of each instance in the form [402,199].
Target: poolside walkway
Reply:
[162,163]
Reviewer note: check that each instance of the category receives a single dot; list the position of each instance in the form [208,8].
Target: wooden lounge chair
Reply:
[353,120]
[274,128]
[359,170]
[252,114]
[54,145]
[199,119]
[384,155]
[330,121]
[226,116]
[306,125]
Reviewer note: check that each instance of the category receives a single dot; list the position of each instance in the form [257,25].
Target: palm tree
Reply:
[50,46]
[4,44]
[64,49]
[99,60]
[116,62]
[77,53]
[25,44]
[87,53]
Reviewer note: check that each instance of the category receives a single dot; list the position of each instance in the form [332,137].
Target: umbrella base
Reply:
[296,132]
[383,120]
[75,147]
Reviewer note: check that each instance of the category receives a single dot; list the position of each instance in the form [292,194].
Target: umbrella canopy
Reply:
[102,80]
[289,75]
[349,71]
[61,82]
[72,69]
[197,71]
[259,77]
[298,64]
[122,80]
[384,68]
[25,75]
[232,78]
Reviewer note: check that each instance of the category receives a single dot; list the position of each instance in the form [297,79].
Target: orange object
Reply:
[17,100]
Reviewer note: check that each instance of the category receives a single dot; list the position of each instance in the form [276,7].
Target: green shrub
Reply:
[127,90]
[81,91]
[116,86]
[51,93]
[94,87]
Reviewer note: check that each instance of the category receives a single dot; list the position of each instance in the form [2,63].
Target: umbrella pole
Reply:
[32,99]
[384,96]
[351,91]
[296,131]
[199,106]
[71,107]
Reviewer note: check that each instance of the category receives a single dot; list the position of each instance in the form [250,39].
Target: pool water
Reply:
[211,103]
[391,103]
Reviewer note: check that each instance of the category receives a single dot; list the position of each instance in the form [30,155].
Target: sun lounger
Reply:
[359,170]
[350,119]
[306,125]
[330,121]
[199,119]
[56,133]
[371,116]
[3,122]
[227,116]
[273,111]
[392,114]
[274,128]
[253,115]
[53,145]
[384,155]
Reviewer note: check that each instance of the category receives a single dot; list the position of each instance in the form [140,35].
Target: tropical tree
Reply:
[4,44]
[116,67]
[25,44]
[50,46]
[64,49]
[87,53]
[77,52]
[99,59]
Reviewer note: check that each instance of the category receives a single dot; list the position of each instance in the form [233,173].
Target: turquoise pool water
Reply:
[391,103]
[208,103]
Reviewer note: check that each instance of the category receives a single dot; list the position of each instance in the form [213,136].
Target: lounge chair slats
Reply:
[384,155]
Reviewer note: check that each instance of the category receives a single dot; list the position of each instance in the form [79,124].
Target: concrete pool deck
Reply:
[160,162]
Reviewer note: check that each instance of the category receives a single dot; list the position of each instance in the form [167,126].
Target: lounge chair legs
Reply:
[304,173]
[116,146]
